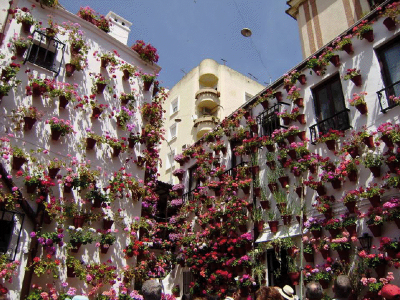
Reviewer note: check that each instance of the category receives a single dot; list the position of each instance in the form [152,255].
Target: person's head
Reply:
[268,293]
[233,292]
[287,292]
[151,290]
[314,291]
[342,287]
[389,292]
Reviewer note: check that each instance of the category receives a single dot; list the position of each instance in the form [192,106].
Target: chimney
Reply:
[120,27]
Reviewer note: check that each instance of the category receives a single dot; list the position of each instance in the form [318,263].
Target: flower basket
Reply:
[67,188]
[76,247]
[352,175]
[20,51]
[278,96]
[69,69]
[376,230]
[104,249]
[55,134]
[375,200]
[351,206]
[376,171]
[284,181]
[90,143]
[147,85]
[260,225]
[352,230]
[335,60]
[63,101]
[362,108]
[321,191]
[107,224]
[273,226]
[389,23]
[336,184]
[26,27]
[348,48]
[368,35]
[53,172]
[369,141]
[299,102]
[330,144]
[294,277]
[78,221]
[286,120]
[353,151]
[344,255]
[100,87]
[273,187]
[356,80]
[309,257]
[28,123]
[104,62]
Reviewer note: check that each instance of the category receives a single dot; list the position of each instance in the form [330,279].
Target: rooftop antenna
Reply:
[252,76]
[224,61]
[183,71]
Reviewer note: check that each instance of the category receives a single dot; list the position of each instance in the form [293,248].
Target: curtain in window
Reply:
[392,64]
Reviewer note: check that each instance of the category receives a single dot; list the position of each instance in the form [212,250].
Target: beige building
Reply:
[198,102]
[320,21]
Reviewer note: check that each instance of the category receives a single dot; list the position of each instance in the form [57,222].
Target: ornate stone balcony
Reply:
[208,98]
[205,124]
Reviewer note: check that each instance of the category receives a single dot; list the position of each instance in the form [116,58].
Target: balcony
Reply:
[268,121]
[205,124]
[384,96]
[339,121]
[207,70]
[208,98]
[233,171]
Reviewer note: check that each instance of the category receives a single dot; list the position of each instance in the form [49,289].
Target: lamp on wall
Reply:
[365,241]
[246,32]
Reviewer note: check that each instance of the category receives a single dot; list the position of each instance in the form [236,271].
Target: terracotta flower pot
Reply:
[20,51]
[375,201]
[76,246]
[55,134]
[53,172]
[291,138]
[78,221]
[353,151]
[376,230]
[309,257]
[348,48]
[273,226]
[284,181]
[324,253]
[352,176]
[104,62]
[299,102]
[273,187]
[331,145]
[301,119]
[368,35]
[257,191]
[344,255]
[278,96]
[357,80]
[352,230]
[69,69]
[265,204]
[147,85]
[271,165]
[107,224]
[302,79]
[100,87]
[369,141]
[351,206]
[286,120]
[63,101]
[103,249]
[265,104]
[28,123]
[90,143]
[260,225]
[335,60]
[26,27]
[362,108]
[389,23]
[376,171]
[294,277]
[321,191]
[336,184]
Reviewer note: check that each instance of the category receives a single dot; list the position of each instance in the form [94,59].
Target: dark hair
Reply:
[314,291]
[268,293]
[342,286]
[231,290]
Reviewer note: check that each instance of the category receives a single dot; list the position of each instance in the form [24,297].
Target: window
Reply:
[11,223]
[277,268]
[330,108]
[388,56]
[187,279]
[193,182]
[46,52]
[174,106]
[172,132]
[269,120]
[170,159]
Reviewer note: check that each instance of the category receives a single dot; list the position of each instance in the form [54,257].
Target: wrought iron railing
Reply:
[46,52]
[11,223]
[385,94]
[232,171]
[339,121]
[188,196]
[268,120]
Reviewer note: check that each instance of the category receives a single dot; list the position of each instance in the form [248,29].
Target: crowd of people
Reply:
[152,290]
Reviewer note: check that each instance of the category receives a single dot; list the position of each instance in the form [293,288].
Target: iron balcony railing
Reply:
[46,52]
[268,120]
[339,121]
[232,171]
[188,196]
[384,96]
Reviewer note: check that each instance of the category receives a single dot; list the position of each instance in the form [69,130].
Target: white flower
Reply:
[79,229]
[71,227]
[92,229]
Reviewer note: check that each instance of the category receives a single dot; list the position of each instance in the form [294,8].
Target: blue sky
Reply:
[187,31]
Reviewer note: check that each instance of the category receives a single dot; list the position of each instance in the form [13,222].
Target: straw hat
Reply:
[287,292]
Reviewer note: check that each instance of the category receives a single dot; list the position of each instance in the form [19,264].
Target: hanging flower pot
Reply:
[286,219]
[368,35]
[376,230]
[362,108]
[147,85]
[20,51]
[328,214]
[278,96]
[265,104]
[309,257]
[63,101]
[246,190]
[55,134]
[26,27]
[392,166]
[352,229]
[368,141]
[78,221]
[67,188]
[397,222]
[286,120]
[28,123]
[353,151]
[284,181]
[336,184]
[53,172]
[46,218]
[335,60]
[260,225]
[291,138]
[348,48]
[316,233]
[104,249]
[380,270]
[31,188]
[312,169]
[292,153]
[100,87]
[70,272]
[302,79]
[90,143]
[116,151]
[36,90]
[351,206]
[321,191]
[96,112]
[294,277]
[50,32]
[389,23]
[376,171]
[69,69]
[344,255]
[352,175]
[387,140]
[334,232]
[356,80]
[107,224]
[270,148]
[273,187]
[299,102]
[104,62]
[325,253]
[299,191]
[271,164]
[330,144]
[75,246]
[273,226]
[317,68]
[242,228]
[375,200]
[265,204]
[254,128]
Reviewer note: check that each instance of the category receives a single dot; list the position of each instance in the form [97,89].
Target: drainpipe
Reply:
[3,29]
[301,242]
